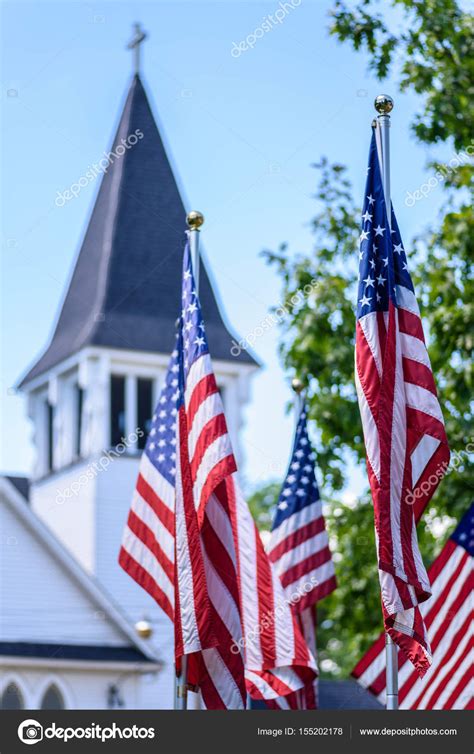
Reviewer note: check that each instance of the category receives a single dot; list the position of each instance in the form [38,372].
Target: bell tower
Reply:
[92,391]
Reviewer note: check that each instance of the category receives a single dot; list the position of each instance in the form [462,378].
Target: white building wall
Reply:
[38,601]
[66,502]
[80,688]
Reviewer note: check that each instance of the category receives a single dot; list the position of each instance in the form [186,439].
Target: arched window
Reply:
[52,698]
[12,698]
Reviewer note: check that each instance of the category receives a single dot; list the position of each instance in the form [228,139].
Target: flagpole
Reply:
[384,106]
[298,388]
[194,221]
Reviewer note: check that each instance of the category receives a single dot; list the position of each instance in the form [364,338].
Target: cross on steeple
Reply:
[134,44]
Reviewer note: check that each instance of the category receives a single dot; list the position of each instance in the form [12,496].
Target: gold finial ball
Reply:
[143,629]
[383,104]
[297,385]
[195,219]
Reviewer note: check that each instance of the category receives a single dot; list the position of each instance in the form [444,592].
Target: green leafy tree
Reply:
[433,39]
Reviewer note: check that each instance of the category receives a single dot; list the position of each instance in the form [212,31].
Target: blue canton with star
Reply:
[191,343]
[192,332]
[161,443]
[300,488]
[463,535]
[382,258]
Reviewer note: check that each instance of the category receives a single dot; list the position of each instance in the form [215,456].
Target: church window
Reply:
[50,435]
[12,698]
[144,408]
[79,397]
[52,698]
[117,409]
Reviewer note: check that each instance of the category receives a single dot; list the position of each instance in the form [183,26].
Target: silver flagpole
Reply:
[298,389]
[194,221]
[384,106]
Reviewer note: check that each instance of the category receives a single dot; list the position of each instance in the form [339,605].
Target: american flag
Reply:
[190,540]
[299,546]
[405,439]
[449,619]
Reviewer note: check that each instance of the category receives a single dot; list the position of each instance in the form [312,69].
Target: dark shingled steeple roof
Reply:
[126,285]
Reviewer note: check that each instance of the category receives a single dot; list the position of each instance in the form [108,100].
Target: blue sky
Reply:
[242,132]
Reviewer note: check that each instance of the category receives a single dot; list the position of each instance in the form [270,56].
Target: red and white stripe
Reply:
[277,658]
[449,620]
[299,551]
[207,617]
[406,446]
[147,553]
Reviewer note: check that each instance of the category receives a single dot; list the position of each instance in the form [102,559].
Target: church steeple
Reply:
[125,289]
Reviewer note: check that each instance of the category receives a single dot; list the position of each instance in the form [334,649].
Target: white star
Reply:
[192,308]
[152,446]
[187,275]
[303,441]
[385,261]
[379,297]
[364,301]
[199,341]
[162,428]
[372,263]
[379,231]
[368,281]
[290,479]
[153,432]
[286,492]
[380,279]
[363,236]
[188,326]
[299,453]
[361,256]
[405,267]
[295,466]
[366,217]
[161,458]
[371,200]
[304,480]
[283,506]
[398,248]
[300,493]
[161,443]
[162,414]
